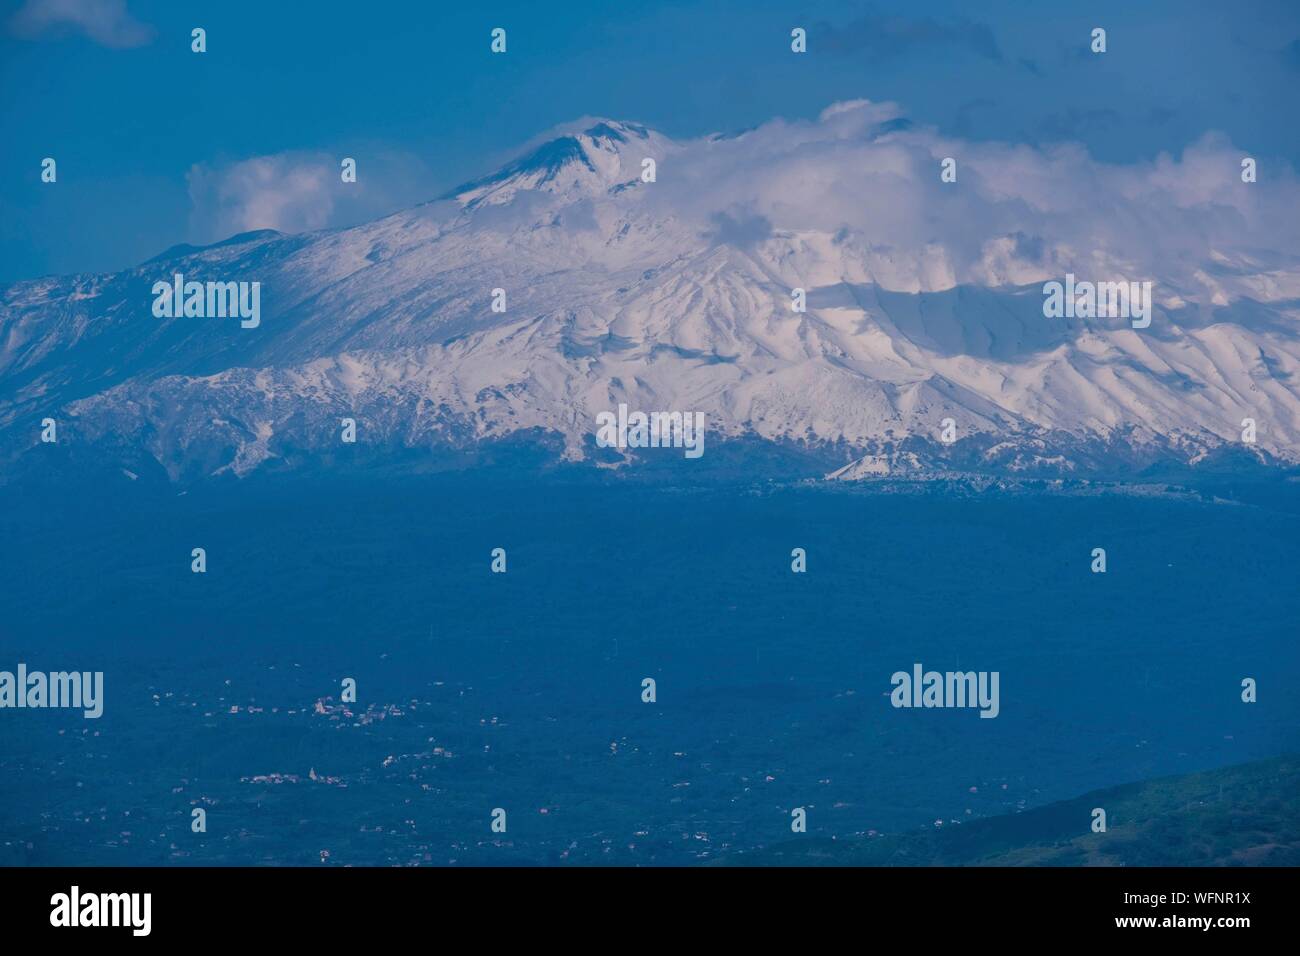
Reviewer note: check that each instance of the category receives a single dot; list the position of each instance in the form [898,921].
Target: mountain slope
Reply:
[1238,816]
[619,290]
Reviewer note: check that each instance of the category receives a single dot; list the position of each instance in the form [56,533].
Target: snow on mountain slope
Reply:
[578,165]
[922,304]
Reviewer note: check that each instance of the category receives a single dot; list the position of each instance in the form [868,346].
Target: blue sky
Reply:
[150,137]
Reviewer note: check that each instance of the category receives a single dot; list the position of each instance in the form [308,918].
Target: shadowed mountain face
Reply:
[618,286]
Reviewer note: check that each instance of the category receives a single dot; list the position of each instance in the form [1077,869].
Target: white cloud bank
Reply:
[1017,213]
[866,180]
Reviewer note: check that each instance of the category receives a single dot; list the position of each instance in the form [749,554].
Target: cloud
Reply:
[743,228]
[107,22]
[291,193]
[862,183]
[300,191]
[882,37]
[1017,213]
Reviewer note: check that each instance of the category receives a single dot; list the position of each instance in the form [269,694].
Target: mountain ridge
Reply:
[625,295]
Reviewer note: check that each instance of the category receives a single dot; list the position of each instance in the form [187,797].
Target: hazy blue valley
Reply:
[523,690]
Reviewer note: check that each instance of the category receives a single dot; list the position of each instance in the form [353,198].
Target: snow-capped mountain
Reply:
[674,292]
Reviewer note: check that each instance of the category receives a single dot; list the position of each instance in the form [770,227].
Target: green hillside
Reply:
[1247,815]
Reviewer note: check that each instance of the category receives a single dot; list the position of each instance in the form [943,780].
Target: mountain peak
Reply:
[615,131]
[604,155]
